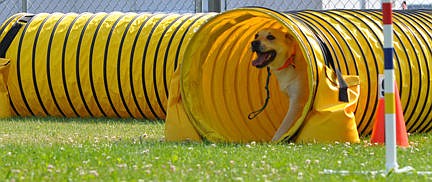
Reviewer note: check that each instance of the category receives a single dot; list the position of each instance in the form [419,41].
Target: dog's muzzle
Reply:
[256,46]
[263,58]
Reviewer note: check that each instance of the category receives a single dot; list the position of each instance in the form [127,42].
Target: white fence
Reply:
[10,7]
[289,5]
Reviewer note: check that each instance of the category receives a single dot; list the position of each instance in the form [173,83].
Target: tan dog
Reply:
[281,52]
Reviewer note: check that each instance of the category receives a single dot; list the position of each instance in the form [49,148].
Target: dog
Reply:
[279,51]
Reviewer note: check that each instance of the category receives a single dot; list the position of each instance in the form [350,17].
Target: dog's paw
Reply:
[275,139]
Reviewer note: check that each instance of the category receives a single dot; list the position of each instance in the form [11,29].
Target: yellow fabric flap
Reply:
[4,71]
[4,63]
[5,110]
[352,80]
[177,124]
[331,120]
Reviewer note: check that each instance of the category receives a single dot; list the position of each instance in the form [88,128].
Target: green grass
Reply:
[53,149]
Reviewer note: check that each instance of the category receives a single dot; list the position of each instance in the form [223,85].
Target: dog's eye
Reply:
[271,37]
[256,36]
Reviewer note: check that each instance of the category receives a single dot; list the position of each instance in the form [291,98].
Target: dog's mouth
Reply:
[264,58]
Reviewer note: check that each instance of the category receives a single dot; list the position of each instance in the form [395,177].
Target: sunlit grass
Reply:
[70,131]
[53,149]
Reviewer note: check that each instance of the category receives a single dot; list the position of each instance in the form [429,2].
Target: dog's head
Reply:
[273,47]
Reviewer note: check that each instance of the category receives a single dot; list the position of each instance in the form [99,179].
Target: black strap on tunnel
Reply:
[10,35]
[328,59]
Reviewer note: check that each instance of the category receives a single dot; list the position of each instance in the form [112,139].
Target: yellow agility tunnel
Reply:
[122,65]
[219,87]
[96,65]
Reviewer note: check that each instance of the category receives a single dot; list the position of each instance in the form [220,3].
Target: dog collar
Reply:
[288,62]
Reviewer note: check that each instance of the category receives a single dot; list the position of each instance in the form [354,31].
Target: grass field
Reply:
[53,149]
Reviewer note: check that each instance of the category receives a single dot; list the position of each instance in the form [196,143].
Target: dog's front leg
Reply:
[293,114]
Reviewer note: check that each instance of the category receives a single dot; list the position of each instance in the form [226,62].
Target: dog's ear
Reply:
[289,36]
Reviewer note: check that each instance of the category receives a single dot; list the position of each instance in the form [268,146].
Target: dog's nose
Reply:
[256,43]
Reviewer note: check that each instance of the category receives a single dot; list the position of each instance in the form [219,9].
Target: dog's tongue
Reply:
[261,59]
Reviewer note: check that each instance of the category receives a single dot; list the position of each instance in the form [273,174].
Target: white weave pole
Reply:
[389,96]
[389,91]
